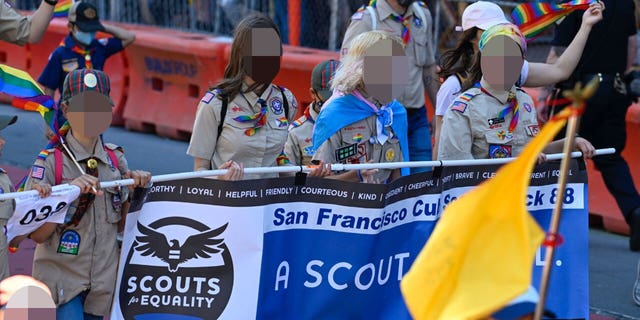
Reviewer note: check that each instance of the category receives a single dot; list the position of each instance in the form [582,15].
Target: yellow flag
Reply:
[480,255]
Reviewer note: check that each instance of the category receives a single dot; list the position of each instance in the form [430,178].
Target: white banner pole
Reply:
[334,167]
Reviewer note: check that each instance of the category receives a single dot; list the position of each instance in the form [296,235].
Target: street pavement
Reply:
[612,266]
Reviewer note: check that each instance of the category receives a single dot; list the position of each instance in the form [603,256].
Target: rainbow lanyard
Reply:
[513,107]
[260,117]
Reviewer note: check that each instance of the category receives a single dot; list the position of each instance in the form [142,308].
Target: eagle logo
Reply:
[200,245]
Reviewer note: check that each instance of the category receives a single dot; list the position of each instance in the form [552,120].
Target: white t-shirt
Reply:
[450,89]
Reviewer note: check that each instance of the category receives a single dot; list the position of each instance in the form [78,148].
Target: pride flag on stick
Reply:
[533,17]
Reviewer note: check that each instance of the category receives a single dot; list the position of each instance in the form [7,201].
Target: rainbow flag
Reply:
[27,94]
[61,9]
[533,17]
[17,83]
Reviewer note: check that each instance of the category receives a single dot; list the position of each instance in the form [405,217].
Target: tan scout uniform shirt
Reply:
[362,133]
[14,27]
[259,150]
[95,266]
[419,49]
[6,211]
[299,147]
[472,129]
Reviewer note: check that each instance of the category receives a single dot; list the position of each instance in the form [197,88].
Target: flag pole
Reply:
[578,96]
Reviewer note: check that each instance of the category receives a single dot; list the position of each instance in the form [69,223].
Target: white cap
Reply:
[483,15]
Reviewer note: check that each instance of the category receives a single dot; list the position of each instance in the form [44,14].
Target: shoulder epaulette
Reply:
[469,94]
[461,102]
[298,122]
[114,147]
[45,153]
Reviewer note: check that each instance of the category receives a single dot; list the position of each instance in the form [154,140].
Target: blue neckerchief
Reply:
[348,109]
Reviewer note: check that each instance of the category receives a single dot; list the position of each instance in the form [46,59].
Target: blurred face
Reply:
[89,113]
[501,62]
[385,71]
[261,59]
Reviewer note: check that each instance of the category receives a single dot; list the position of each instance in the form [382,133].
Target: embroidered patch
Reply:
[37,172]
[69,242]
[498,151]
[346,152]
[417,22]
[358,15]
[309,151]
[533,130]
[389,155]
[70,65]
[494,121]
[357,137]
[502,135]
[1,190]
[208,97]
[282,122]
[527,107]
[459,106]
[236,109]
[307,140]
[276,106]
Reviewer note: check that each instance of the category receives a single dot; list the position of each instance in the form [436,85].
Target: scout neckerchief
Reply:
[384,117]
[406,31]
[347,109]
[259,118]
[86,53]
[513,108]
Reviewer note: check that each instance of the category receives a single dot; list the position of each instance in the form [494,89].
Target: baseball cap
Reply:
[85,16]
[82,80]
[483,15]
[7,120]
[321,75]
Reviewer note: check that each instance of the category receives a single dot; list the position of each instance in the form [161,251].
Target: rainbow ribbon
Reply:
[533,17]
[282,159]
[61,9]
[259,118]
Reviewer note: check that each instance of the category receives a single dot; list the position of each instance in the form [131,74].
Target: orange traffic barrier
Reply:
[168,75]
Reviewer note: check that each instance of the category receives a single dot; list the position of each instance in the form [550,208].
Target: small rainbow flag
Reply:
[61,9]
[533,17]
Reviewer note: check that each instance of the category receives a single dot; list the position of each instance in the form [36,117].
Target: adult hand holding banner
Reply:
[32,211]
